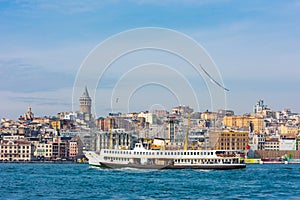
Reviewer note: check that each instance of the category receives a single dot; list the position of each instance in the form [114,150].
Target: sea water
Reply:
[80,181]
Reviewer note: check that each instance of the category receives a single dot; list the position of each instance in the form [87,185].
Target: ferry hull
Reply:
[209,166]
[134,166]
[160,167]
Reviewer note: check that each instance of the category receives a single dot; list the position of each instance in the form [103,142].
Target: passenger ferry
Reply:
[142,157]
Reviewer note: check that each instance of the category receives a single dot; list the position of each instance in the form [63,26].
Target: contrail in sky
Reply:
[213,80]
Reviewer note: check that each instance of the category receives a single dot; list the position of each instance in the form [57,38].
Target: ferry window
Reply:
[157,153]
[171,153]
[144,153]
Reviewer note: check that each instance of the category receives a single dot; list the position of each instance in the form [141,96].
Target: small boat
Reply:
[143,158]
[273,161]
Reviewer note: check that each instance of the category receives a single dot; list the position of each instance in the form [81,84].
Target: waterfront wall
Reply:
[276,154]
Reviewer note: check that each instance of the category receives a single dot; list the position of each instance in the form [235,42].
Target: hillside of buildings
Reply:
[263,133]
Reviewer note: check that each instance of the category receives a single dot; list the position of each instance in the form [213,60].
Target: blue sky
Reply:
[255,45]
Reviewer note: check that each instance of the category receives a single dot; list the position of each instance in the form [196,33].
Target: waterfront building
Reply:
[286,144]
[16,151]
[73,149]
[229,140]
[59,150]
[271,144]
[43,151]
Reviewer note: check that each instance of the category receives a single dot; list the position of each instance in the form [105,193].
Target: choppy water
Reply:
[67,181]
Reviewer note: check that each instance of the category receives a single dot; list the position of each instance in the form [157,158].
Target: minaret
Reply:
[85,102]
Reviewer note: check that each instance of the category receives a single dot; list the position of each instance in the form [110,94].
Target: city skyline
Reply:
[254,45]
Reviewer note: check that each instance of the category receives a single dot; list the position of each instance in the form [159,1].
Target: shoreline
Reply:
[43,162]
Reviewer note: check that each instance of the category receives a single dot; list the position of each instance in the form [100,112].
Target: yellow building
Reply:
[289,131]
[243,122]
[229,140]
[56,125]
[209,115]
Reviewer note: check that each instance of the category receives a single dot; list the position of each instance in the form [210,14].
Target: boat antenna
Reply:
[213,80]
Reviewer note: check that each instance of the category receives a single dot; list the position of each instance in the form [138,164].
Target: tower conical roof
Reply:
[85,93]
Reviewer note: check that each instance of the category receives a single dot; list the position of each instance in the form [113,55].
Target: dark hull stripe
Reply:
[208,166]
